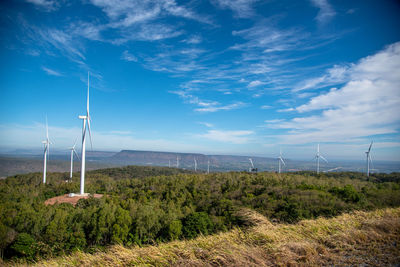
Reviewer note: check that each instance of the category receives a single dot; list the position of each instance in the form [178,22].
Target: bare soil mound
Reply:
[69,199]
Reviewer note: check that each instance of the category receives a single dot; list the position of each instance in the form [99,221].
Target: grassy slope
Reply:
[349,239]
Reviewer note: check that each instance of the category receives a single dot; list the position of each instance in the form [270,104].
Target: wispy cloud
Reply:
[206,106]
[128,56]
[215,108]
[241,8]
[46,5]
[255,83]
[234,137]
[51,72]
[335,75]
[209,125]
[325,13]
[366,105]
[126,13]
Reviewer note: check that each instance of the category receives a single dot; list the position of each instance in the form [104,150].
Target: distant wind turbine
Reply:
[208,166]
[317,156]
[169,163]
[195,164]
[46,152]
[86,119]
[177,161]
[280,160]
[252,169]
[369,159]
[72,158]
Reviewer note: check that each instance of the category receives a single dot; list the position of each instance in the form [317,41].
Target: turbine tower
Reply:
[369,159]
[46,144]
[317,156]
[195,164]
[208,166]
[177,161]
[280,160]
[86,119]
[73,151]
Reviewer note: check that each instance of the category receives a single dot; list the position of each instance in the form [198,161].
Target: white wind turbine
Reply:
[208,166]
[369,159]
[317,156]
[72,158]
[86,119]
[280,160]
[46,152]
[251,169]
[177,161]
[195,164]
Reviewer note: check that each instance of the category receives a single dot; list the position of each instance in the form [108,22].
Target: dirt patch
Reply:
[69,199]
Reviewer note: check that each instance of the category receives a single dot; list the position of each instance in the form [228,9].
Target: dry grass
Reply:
[367,238]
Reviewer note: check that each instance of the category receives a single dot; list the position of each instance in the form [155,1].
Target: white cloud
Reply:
[326,12]
[128,56]
[214,108]
[254,84]
[235,137]
[266,107]
[241,8]
[47,5]
[195,39]
[206,106]
[125,13]
[209,125]
[336,74]
[51,72]
[367,105]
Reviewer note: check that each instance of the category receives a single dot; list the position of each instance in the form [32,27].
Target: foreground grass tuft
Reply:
[371,238]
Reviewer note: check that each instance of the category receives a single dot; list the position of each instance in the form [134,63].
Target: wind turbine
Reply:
[252,169]
[72,158]
[86,119]
[195,164]
[317,156]
[169,163]
[280,160]
[177,161]
[46,152]
[369,159]
[208,166]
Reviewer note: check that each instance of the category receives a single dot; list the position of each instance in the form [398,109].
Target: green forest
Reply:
[149,205]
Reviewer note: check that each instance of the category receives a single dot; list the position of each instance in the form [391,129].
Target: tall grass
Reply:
[371,238]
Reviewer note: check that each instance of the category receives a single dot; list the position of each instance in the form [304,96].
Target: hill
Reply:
[152,205]
[358,238]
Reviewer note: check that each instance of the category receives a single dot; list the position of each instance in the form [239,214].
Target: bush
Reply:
[197,223]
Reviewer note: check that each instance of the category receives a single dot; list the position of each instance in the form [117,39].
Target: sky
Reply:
[241,77]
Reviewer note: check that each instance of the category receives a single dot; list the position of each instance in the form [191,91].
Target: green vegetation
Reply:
[148,205]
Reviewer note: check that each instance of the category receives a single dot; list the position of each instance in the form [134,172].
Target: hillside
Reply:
[358,238]
[153,205]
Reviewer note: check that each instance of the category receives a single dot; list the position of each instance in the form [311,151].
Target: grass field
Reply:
[366,238]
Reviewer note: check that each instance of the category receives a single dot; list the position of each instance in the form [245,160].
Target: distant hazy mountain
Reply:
[27,161]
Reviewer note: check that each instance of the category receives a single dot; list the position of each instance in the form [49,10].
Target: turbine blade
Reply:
[76,139]
[47,130]
[90,133]
[323,158]
[76,154]
[369,149]
[282,161]
[87,105]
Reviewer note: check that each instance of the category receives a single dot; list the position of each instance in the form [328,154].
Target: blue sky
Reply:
[217,77]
